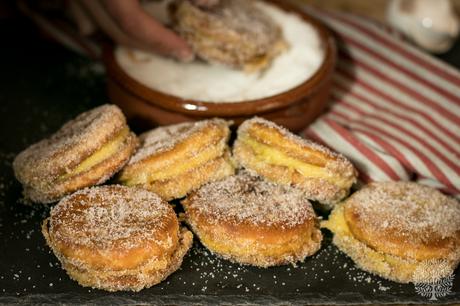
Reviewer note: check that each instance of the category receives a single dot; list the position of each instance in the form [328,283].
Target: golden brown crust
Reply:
[167,145]
[45,168]
[267,133]
[338,174]
[394,268]
[315,188]
[175,160]
[71,144]
[257,245]
[179,186]
[234,33]
[251,221]
[145,276]
[116,238]
[405,219]
[96,175]
[402,231]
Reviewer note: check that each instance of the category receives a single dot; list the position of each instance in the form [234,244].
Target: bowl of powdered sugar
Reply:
[292,91]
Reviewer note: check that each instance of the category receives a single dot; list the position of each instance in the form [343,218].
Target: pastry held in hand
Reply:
[285,158]
[402,231]
[86,151]
[116,238]
[248,220]
[177,159]
[234,33]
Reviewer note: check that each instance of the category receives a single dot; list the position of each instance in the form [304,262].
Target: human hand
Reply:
[128,24]
[205,3]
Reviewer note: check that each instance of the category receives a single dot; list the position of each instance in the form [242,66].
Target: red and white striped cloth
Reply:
[395,111]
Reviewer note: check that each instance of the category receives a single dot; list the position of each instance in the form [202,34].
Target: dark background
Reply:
[42,85]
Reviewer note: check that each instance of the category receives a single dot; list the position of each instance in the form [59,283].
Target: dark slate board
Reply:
[41,87]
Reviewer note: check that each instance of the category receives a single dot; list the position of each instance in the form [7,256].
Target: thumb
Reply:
[148,32]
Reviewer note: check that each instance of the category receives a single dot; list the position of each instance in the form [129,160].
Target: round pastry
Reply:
[116,238]
[234,32]
[86,151]
[174,160]
[282,157]
[402,231]
[251,221]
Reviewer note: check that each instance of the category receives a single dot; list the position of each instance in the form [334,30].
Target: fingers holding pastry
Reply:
[126,22]
[235,33]
[205,3]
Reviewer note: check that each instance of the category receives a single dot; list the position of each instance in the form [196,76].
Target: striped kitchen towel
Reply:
[395,111]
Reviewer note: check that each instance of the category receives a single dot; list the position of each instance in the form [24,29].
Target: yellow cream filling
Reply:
[380,261]
[180,167]
[276,157]
[100,155]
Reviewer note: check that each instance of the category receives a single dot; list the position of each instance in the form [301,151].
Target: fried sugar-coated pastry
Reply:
[177,159]
[282,157]
[116,238]
[85,151]
[248,220]
[402,231]
[234,32]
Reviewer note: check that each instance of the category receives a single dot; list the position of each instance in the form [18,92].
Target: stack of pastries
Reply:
[250,204]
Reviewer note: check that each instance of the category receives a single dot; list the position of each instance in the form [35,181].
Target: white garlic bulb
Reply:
[432,24]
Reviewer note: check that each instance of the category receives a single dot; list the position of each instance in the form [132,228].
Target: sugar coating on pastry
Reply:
[402,231]
[164,138]
[85,151]
[387,214]
[408,208]
[233,32]
[181,185]
[116,238]
[57,153]
[246,198]
[174,160]
[283,157]
[252,221]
